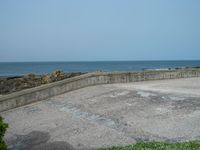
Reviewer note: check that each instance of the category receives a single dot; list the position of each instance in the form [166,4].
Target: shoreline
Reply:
[143,69]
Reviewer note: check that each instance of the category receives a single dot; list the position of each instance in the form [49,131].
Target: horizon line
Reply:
[96,60]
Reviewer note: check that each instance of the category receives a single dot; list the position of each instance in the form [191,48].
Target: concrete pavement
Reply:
[108,115]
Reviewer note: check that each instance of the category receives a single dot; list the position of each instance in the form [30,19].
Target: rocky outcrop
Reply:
[13,84]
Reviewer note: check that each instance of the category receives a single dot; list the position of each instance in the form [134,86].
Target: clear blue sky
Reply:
[86,30]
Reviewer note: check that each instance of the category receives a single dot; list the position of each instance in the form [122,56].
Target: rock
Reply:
[18,83]
[57,75]
[30,76]
[45,79]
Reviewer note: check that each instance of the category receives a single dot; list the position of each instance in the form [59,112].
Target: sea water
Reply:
[21,68]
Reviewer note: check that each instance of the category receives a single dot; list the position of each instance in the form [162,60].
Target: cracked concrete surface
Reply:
[108,115]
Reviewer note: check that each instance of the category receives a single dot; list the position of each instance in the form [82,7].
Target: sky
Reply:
[99,30]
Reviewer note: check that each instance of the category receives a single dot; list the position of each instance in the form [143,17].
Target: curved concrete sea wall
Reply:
[28,96]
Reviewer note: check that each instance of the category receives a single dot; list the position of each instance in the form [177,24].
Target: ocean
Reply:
[21,68]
